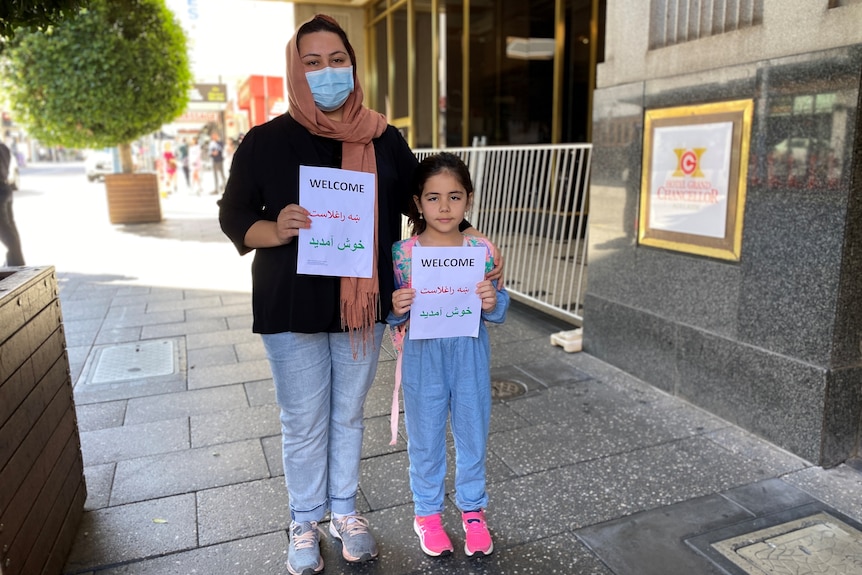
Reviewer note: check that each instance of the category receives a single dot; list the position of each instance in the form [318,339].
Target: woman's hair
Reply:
[431,166]
[324,23]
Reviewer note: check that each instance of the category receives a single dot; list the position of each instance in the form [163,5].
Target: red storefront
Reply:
[258,95]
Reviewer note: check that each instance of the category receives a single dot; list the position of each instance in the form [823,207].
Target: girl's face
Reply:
[443,203]
[319,50]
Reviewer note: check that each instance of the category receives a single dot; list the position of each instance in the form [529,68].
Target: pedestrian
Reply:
[216,150]
[8,230]
[170,167]
[183,159]
[196,165]
[322,334]
[445,377]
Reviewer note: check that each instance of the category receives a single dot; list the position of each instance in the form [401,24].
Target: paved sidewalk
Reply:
[590,471]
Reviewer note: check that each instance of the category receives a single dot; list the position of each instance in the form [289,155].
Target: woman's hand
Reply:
[402,299]
[291,219]
[486,290]
[496,274]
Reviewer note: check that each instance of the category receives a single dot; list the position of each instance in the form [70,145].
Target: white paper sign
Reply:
[446,303]
[690,179]
[340,241]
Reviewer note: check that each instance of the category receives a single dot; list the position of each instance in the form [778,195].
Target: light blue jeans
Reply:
[321,390]
[443,377]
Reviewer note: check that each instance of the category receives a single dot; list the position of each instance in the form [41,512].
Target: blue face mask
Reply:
[330,87]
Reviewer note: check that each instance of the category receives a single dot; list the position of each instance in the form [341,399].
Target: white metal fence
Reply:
[531,202]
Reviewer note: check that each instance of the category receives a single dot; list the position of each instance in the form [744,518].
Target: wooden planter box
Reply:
[42,488]
[133,198]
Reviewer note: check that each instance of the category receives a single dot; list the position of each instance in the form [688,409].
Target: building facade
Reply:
[450,73]
[766,331]
[771,337]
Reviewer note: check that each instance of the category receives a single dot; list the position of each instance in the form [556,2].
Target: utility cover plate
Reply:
[139,360]
[818,543]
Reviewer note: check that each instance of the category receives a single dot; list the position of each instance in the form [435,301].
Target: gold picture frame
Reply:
[693,183]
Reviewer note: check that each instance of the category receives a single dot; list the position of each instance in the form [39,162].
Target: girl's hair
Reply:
[324,23]
[431,166]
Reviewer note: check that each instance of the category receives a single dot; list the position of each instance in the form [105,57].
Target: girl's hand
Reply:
[290,219]
[402,299]
[486,290]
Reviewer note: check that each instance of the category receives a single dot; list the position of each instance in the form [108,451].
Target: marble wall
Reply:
[772,342]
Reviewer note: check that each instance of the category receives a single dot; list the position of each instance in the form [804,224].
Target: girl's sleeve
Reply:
[401,266]
[498,314]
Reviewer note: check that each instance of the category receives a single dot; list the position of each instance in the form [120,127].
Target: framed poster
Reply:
[695,162]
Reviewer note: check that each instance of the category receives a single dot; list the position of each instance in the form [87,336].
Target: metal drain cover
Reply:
[503,389]
[816,544]
[135,361]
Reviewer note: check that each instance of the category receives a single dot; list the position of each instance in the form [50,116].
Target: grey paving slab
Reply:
[81,332]
[131,441]
[385,480]
[773,462]
[839,487]
[180,327]
[519,351]
[129,532]
[242,510]
[74,310]
[241,322]
[220,337]
[227,374]
[217,310]
[234,425]
[108,335]
[263,555]
[553,371]
[260,392]
[100,415]
[144,296]
[185,403]
[210,305]
[377,435]
[86,393]
[273,453]
[504,418]
[653,542]
[768,496]
[251,350]
[186,471]
[616,486]
[209,356]
[128,317]
[99,479]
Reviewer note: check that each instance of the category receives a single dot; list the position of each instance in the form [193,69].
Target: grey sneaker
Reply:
[303,554]
[357,543]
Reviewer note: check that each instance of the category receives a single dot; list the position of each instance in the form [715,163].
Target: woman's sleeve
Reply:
[239,207]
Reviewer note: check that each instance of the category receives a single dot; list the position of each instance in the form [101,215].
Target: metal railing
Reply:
[531,202]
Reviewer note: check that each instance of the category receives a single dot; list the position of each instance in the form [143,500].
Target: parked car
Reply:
[97,163]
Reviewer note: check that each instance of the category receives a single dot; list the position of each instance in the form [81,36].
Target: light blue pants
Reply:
[442,377]
[321,390]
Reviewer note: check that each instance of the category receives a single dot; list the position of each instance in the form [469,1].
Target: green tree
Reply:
[105,76]
[33,14]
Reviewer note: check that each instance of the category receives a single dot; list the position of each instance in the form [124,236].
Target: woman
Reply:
[322,334]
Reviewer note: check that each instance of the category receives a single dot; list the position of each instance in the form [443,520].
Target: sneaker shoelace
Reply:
[304,540]
[352,525]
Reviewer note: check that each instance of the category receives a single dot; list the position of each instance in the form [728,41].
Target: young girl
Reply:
[446,375]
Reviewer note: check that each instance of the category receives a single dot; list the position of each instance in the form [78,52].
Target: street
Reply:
[61,216]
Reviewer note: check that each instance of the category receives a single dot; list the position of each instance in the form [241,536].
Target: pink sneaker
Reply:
[432,536]
[478,539]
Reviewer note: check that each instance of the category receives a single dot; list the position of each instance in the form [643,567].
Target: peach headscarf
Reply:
[359,125]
